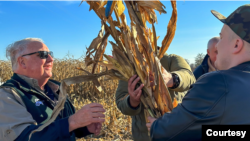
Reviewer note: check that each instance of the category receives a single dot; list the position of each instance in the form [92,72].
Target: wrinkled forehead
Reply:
[36,46]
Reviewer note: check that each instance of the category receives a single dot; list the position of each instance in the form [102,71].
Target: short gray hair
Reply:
[212,40]
[16,49]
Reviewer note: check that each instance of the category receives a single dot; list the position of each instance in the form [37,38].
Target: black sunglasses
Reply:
[42,54]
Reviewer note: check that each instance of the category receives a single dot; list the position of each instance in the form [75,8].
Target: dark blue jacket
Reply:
[217,98]
[56,131]
[202,69]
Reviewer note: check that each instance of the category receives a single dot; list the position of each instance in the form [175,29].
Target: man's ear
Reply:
[239,44]
[208,52]
[21,62]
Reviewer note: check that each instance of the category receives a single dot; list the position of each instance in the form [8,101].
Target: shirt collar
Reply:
[34,83]
[210,66]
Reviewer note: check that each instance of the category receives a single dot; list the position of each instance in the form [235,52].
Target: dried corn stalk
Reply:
[134,52]
[135,48]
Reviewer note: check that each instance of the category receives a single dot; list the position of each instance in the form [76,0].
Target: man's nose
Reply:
[50,58]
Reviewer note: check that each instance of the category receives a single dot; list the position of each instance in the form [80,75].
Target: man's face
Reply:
[35,66]
[224,45]
[212,52]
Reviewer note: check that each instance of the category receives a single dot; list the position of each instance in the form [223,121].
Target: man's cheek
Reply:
[216,64]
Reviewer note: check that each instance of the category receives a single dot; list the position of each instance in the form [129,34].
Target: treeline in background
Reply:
[198,60]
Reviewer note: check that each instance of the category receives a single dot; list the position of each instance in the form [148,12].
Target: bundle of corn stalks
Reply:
[134,52]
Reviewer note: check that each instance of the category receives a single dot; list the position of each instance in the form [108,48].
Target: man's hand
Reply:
[134,94]
[95,128]
[91,113]
[151,121]
[167,77]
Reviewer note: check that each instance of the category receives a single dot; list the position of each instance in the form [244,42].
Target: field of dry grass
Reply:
[117,126]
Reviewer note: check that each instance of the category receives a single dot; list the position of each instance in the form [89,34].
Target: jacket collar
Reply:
[30,83]
[242,66]
[204,63]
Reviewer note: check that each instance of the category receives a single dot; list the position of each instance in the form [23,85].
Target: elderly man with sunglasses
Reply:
[28,98]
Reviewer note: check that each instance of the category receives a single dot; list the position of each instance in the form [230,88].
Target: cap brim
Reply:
[219,16]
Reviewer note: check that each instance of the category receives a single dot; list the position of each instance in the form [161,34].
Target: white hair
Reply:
[211,41]
[16,49]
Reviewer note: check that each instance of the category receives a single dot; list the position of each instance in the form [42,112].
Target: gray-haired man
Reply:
[207,64]
[29,97]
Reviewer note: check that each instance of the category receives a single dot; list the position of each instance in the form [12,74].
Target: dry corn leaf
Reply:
[113,30]
[138,58]
[108,65]
[163,89]
[95,81]
[127,44]
[102,3]
[123,60]
[117,66]
[157,5]
[147,14]
[150,15]
[133,16]
[170,31]
[100,51]
[123,19]
[154,39]
[97,41]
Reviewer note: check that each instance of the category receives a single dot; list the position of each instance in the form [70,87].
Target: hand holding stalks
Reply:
[134,94]
[167,77]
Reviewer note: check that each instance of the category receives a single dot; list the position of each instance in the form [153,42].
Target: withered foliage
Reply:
[135,48]
[134,52]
